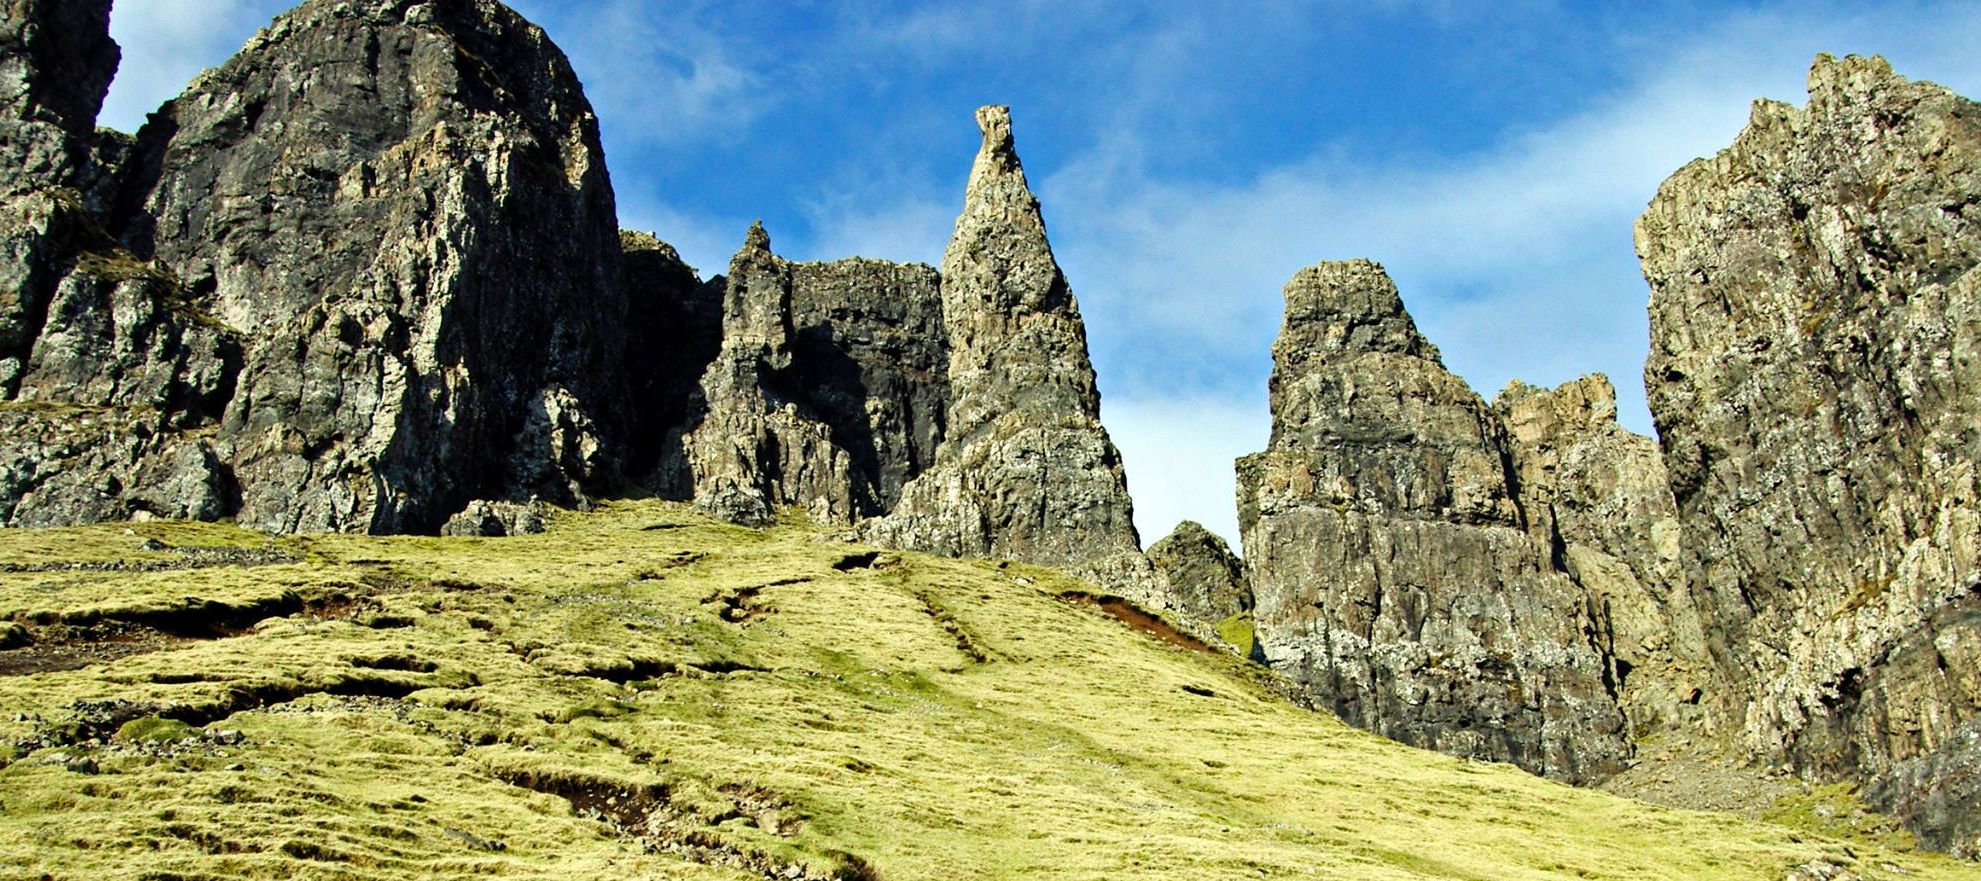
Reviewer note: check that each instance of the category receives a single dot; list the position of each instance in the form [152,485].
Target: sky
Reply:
[1189,157]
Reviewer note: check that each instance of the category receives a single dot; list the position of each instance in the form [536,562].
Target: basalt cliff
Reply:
[367,277]
[1790,570]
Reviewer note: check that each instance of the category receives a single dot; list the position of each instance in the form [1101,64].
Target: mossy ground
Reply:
[641,693]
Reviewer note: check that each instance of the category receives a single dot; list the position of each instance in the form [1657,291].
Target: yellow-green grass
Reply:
[724,703]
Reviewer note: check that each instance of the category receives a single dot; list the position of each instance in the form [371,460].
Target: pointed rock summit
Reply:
[1025,469]
[1394,571]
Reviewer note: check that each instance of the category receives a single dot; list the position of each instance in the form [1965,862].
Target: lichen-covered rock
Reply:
[1024,470]
[1394,574]
[1598,495]
[56,60]
[110,376]
[1200,575]
[1816,326]
[404,209]
[754,449]
[497,519]
[66,463]
[83,322]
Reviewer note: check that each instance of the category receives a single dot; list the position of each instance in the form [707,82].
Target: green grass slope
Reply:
[641,693]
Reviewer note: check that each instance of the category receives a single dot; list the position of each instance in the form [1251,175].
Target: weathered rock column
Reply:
[1392,567]
[1815,374]
[1025,469]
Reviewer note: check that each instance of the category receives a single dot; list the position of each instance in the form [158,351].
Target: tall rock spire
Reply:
[1025,470]
[1013,322]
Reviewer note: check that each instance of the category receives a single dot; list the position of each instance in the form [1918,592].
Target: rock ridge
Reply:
[1811,374]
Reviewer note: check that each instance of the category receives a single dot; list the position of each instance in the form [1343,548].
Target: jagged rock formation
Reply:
[1598,494]
[828,390]
[420,253]
[354,302]
[1393,566]
[1813,376]
[56,60]
[1025,469]
[357,302]
[110,378]
[1200,575]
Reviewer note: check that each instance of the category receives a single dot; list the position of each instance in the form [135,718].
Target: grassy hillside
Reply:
[641,693]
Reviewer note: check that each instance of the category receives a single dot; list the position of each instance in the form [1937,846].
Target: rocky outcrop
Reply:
[487,519]
[110,376]
[1395,574]
[1598,495]
[1024,469]
[828,390]
[1813,375]
[56,61]
[1200,575]
[404,209]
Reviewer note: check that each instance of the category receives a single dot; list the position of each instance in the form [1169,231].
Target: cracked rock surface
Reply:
[1813,374]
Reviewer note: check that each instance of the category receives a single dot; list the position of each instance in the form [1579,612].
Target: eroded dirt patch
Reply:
[648,815]
[742,605]
[1141,620]
[965,642]
[55,642]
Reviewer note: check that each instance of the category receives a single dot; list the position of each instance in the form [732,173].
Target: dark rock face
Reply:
[1024,469]
[1199,576]
[1393,566]
[1812,373]
[110,376]
[403,207]
[828,390]
[675,333]
[56,61]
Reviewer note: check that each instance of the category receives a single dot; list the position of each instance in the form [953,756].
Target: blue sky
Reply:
[1190,157]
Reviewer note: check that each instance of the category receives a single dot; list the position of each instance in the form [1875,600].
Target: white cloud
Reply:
[1179,454]
[657,79]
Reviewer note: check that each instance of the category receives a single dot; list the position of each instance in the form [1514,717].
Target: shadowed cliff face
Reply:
[403,207]
[110,376]
[827,393]
[1813,376]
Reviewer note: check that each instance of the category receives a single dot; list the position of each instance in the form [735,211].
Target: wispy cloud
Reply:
[658,79]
